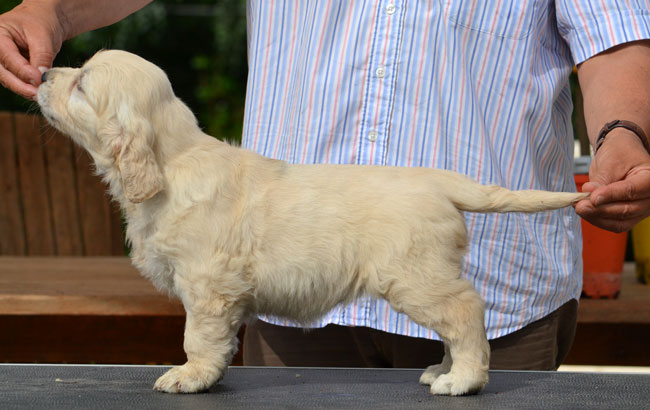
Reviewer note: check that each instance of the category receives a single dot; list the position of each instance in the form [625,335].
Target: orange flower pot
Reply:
[603,255]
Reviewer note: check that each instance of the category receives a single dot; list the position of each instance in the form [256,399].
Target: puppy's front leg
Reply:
[210,342]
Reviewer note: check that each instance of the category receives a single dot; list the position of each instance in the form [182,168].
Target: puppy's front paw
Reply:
[454,384]
[187,378]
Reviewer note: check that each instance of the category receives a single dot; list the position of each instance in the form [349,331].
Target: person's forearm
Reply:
[616,86]
[79,16]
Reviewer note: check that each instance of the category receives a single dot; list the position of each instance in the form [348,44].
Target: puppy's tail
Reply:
[468,195]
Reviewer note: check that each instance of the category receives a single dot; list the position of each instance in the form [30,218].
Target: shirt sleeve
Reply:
[593,26]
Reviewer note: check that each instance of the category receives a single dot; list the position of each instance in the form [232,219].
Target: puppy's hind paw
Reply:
[432,373]
[185,379]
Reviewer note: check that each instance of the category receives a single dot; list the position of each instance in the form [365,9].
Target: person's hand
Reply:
[619,183]
[30,36]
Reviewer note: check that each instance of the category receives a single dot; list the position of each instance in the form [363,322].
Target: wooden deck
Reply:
[85,310]
[100,310]
[615,332]
[69,286]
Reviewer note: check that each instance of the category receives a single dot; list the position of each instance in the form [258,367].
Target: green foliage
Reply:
[201,46]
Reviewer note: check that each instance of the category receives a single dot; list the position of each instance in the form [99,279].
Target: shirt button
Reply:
[372,136]
[381,71]
[390,9]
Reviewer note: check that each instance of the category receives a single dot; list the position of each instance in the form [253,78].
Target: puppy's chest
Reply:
[152,256]
[154,266]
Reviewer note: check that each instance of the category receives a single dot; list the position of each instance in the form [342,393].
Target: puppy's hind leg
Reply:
[432,372]
[455,311]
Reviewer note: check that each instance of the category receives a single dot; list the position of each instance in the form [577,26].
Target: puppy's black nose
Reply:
[44,77]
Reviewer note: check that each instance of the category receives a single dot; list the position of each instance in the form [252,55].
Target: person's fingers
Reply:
[618,206]
[616,210]
[635,186]
[591,186]
[10,81]
[41,55]
[13,61]
[613,225]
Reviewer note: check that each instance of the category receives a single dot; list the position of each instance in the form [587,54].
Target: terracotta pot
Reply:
[603,254]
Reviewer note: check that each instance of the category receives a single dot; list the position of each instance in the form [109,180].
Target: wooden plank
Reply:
[92,339]
[62,181]
[94,286]
[94,206]
[614,331]
[84,339]
[632,305]
[66,309]
[33,186]
[12,228]
[611,344]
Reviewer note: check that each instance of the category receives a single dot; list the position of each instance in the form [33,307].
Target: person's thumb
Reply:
[594,183]
[41,56]
[597,178]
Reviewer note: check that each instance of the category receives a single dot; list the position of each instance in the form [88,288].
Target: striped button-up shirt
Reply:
[478,86]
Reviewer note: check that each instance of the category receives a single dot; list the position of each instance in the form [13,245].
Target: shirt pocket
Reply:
[510,19]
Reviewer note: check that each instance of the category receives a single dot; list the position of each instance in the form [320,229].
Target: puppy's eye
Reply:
[78,83]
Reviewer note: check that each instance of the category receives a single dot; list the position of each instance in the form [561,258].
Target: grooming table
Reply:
[130,387]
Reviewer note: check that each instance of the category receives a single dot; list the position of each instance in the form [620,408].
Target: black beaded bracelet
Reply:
[623,124]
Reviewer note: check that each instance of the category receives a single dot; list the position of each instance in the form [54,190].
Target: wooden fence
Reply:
[52,204]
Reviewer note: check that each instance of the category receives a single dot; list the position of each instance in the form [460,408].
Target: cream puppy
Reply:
[234,234]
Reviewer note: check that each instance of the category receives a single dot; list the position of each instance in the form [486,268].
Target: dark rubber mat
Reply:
[130,387]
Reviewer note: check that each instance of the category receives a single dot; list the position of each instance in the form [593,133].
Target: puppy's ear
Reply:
[141,176]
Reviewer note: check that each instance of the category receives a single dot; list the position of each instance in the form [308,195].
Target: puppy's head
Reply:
[107,106]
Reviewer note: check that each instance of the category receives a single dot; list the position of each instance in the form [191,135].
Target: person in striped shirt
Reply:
[479,87]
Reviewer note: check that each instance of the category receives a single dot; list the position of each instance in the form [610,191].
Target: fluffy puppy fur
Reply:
[234,234]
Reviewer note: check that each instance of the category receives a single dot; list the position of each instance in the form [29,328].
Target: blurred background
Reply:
[201,44]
